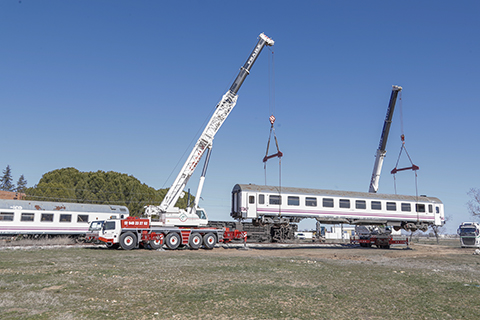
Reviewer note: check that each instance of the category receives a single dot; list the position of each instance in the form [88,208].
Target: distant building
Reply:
[8,195]
[340,232]
[304,235]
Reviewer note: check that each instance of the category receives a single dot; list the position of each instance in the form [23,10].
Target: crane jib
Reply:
[245,70]
[388,118]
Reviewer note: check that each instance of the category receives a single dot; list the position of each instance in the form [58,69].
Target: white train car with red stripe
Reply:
[41,218]
[134,232]
[269,204]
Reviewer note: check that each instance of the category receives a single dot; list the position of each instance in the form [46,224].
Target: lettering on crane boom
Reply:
[254,54]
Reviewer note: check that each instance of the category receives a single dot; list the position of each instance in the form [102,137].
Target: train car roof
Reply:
[323,192]
[62,206]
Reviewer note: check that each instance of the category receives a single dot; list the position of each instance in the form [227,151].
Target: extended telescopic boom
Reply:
[223,109]
[381,151]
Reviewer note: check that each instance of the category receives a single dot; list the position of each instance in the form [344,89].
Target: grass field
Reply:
[300,282]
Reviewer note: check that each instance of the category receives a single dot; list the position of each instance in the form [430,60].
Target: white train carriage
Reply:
[268,204]
[53,218]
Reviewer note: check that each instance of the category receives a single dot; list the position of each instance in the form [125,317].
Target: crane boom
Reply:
[381,151]
[223,109]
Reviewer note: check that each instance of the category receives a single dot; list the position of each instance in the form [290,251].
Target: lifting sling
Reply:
[413,167]
[279,154]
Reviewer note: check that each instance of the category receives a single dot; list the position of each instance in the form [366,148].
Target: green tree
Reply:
[6,180]
[21,184]
[71,185]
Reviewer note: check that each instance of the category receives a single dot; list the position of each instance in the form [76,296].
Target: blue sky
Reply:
[127,85]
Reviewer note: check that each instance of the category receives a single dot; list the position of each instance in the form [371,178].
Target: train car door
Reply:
[251,203]
[438,215]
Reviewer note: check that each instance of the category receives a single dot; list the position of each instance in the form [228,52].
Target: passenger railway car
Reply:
[268,204]
[52,218]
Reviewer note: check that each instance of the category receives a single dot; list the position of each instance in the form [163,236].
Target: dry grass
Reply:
[20,241]
[275,283]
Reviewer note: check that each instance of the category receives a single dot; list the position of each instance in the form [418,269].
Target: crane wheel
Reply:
[112,245]
[209,240]
[195,241]
[172,240]
[155,244]
[128,241]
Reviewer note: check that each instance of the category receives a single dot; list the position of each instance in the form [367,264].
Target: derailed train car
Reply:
[275,205]
[36,218]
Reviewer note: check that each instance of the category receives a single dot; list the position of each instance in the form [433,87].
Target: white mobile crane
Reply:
[379,236]
[193,215]
[180,226]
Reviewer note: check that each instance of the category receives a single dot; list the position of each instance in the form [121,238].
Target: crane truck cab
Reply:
[469,233]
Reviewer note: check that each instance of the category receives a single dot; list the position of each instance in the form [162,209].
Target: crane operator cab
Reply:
[201,214]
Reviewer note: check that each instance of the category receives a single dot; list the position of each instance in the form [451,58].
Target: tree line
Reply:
[6,182]
[71,185]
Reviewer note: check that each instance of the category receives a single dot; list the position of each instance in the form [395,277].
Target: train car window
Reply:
[420,207]
[47,217]
[391,206]
[27,216]
[251,199]
[344,203]
[274,199]
[406,207]
[293,201]
[65,218]
[310,202]
[328,202]
[360,204]
[261,199]
[6,216]
[437,209]
[83,218]
[430,208]
[376,205]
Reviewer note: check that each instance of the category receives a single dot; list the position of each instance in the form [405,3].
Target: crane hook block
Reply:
[272,119]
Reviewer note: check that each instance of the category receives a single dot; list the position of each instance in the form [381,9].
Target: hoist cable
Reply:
[271,82]
[271,110]
[402,148]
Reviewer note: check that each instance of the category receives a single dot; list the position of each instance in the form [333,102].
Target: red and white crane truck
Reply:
[175,226]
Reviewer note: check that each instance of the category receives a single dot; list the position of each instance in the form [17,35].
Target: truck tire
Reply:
[172,240]
[209,240]
[155,244]
[195,241]
[128,240]
[112,245]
